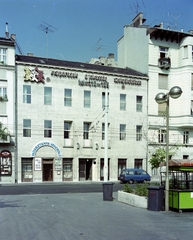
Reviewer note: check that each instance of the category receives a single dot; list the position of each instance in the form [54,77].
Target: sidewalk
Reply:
[86,216]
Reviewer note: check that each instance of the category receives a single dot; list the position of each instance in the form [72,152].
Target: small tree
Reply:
[3,132]
[158,157]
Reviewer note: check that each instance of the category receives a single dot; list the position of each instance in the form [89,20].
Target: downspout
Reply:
[16,127]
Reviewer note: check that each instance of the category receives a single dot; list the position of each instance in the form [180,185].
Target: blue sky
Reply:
[83,29]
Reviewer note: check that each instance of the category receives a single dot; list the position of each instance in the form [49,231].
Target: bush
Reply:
[141,190]
[127,188]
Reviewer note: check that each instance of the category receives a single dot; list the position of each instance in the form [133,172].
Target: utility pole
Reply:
[106,137]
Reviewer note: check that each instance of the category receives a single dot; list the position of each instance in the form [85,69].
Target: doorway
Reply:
[48,170]
[85,169]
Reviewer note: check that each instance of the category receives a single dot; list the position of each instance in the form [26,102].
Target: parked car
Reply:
[132,175]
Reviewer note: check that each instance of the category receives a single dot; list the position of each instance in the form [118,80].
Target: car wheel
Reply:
[131,181]
[145,181]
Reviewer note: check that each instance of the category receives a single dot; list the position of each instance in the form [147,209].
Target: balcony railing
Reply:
[164,63]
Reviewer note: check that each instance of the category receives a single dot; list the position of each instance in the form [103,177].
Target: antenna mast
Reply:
[47,28]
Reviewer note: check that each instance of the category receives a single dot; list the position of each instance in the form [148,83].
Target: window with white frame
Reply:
[26,127]
[3,93]
[87,99]
[3,55]
[138,133]
[122,134]
[47,95]
[123,102]
[163,52]
[139,103]
[67,127]
[162,136]
[47,128]
[26,94]
[186,137]
[163,81]
[68,97]
[86,127]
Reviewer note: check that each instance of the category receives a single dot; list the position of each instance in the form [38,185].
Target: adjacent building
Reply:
[166,56]
[7,107]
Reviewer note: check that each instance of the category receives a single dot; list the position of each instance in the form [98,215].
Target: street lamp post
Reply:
[175,92]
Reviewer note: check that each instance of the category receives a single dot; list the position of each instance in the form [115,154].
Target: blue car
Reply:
[132,175]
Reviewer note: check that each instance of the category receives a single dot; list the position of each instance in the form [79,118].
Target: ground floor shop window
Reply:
[6,163]
[121,165]
[138,163]
[67,169]
[27,170]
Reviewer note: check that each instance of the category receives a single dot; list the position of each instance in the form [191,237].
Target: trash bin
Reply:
[108,191]
[155,200]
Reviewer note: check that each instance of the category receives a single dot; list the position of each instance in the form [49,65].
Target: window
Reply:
[26,127]
[27,170]
[123,102]
[26,94]
[67,126]
[3,93]
[87,99]
[86,131]
[185,51]
[163,81]
[163,52]
[122,135]
[103,131]
[138,163]
[185,156]
[139,103]
[192,53]
[68,97]
[162,136]
[3,54]
[162,109]
[47,95]
[186,137]
[138,133]
[67,169]
[103,100]
[47,128]
[192,81]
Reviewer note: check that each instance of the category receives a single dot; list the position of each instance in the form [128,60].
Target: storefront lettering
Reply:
[129,81]
[42,144]
[95,77]
[91,83]
[64,74]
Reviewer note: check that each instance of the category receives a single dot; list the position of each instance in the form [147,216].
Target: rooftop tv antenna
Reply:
[135,8]
[175,20]
[47,28]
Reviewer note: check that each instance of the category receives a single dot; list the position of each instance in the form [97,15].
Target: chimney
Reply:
[138,20]
[111,55]
[6,30]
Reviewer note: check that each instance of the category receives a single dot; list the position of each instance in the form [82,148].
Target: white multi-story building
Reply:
[61,120]
[166,56]
[7,107]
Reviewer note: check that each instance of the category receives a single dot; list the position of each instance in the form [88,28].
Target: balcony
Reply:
[164,63]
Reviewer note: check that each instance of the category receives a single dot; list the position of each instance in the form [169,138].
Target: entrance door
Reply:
[85,169]
[47,171]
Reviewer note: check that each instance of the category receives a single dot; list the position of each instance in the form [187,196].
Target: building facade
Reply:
[7,108]
[166,56]
[61,120]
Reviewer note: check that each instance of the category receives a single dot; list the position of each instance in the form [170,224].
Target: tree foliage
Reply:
[3,132]
[158,157]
